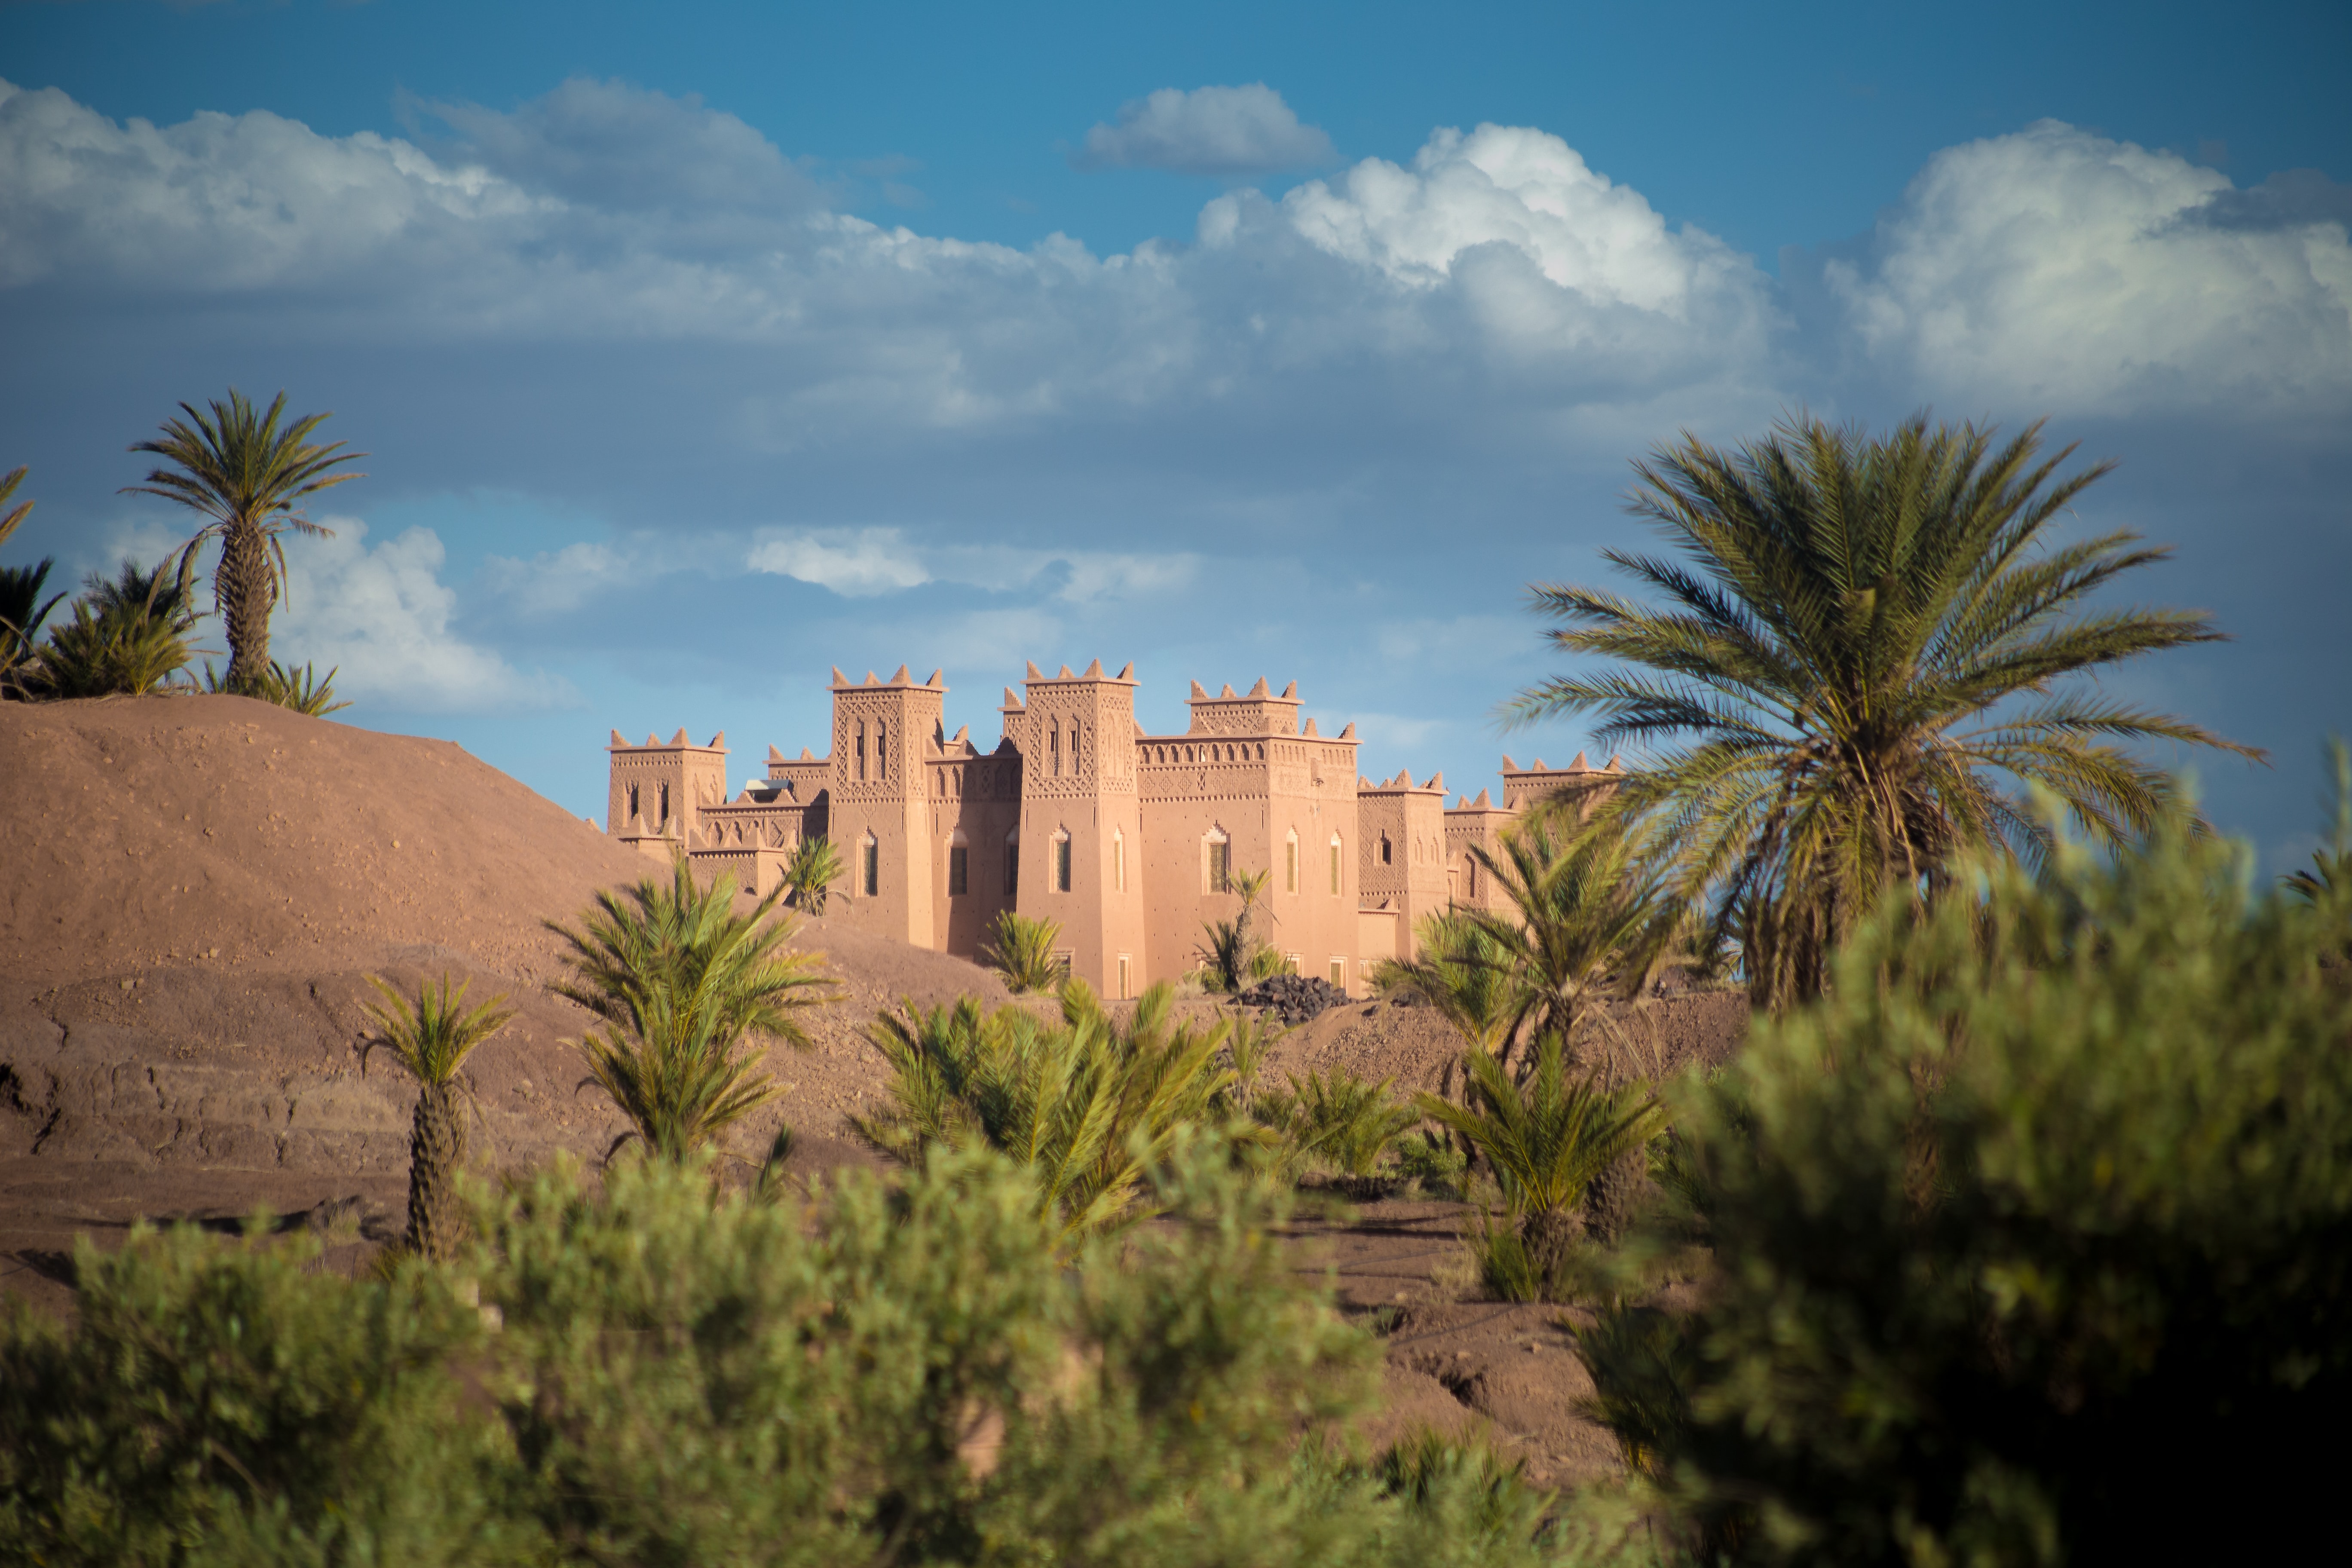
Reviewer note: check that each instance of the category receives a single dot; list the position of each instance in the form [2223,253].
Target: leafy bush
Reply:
[1089,1108]
[222,1404]
[2033,1239]
[916,1371]
[1022,949]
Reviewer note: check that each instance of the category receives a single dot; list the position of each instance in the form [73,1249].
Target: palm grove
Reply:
[2027,1200]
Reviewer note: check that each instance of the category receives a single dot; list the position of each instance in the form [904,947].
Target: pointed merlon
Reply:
[839,678]
[1013,703]
[1484,802]
[1200,693]
[1348,731]
[1290,692]
[1539,766]
[719,740]
[1437,782]
[616,739]
[652,738]
[1311,729]
[1227,692]
[1140,730]
[1363,783]
[934,680]
[1404,778]
[963,735]
[869,680]
[774,755]
[1613,766]
[1035,673]
[1065,674]
[1580,765]
[1509,766]
[1127,670]
[903,676]
[807,755]
[1093,671]
[679,739]
[1259,689]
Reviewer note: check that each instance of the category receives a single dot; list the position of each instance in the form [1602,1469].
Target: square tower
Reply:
[876,810]
[657,791]
[1081,832]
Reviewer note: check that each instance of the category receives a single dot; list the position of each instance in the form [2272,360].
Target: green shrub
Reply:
[303,689]
[2032,1240]
[215,1403]
[127,635]
[811,872]
[1335,1123]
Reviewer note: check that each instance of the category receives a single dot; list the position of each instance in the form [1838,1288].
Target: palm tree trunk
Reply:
[247,591]
[437,1151]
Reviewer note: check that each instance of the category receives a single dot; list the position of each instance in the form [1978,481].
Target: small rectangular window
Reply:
[1119,865]
[1125,991]
[1061,865]
[1011,869]
[1062,964]
[1335,868]
[1221,867]
[1290,866]
[1293,963]
[959,869]
[873,870]
[1339,973]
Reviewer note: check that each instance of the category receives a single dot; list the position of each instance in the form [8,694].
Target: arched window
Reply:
[1013,863]
[1335,862]
[633,807]
[869,854]
[665,807]
[1061,861]
[959,864]
[1216,862]
[1388,854]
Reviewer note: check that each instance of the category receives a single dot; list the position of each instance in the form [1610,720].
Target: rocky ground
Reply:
[196,890]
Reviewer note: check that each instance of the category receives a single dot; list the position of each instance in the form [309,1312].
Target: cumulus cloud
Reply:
[2056,270]
[558,582]
[382,618]
[1224,131]
[856,563]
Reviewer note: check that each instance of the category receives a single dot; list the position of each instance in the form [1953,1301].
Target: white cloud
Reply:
[381,617]
[1209,131]
[2058,271]
[856,563]
[863,563]
[555,583]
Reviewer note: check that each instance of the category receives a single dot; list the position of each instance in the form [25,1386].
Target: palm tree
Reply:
[815,868]
[682,981]
[1022,949]
[1587,923]
[128,635]
[1861,639]
[238,468]
[433,1040]
[2329,880]
[22,610]
[1088,1107]
[1546,1139]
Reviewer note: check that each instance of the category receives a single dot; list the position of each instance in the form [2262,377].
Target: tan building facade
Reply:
[1126,839]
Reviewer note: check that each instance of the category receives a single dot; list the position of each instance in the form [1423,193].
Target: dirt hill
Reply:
[195,890]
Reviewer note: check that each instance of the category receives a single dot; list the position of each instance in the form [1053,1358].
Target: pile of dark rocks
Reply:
[1294,999]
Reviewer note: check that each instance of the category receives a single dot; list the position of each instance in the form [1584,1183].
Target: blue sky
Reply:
[699,348]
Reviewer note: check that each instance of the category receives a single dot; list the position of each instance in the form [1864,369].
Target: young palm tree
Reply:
[1546,1139]
[814,869]
[238,468]
[432,1040]
[1022,949]
[22,610]
[682,981]
[127,635]
[1089,1106]
[1587,923]
[1861,642]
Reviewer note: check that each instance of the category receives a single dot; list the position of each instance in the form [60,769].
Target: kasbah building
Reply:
[1122,838]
